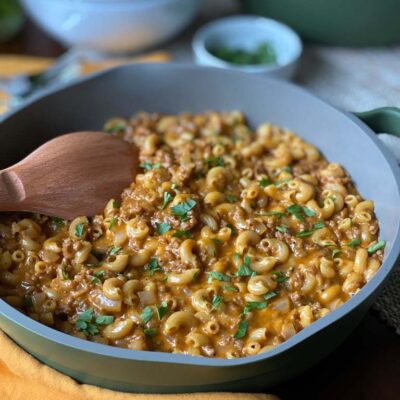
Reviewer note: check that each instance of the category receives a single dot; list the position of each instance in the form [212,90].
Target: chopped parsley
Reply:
[153,266]
[230,288]
[216,302]
[112,223]
[58,222]
[254,305]
[87,322]
[242,330]
[308,212]
[283,228]
[79,230]
[264,182]
[219,276]
[115,127]
[147,166]
[280,276]
[335,252]
[215,162]
[231,198]
[112,251]
[244,269]
[354,243]
[296,211]
[162,310]
[96,277]
[162,228]
[147,314]
[150,331]
[270,295]
[116,204]
[309,232]
[375,247]
[166,199]
[288,169]
[182,234]
[181,209]
[104,319]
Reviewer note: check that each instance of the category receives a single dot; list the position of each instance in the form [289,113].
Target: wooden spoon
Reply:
[71,175]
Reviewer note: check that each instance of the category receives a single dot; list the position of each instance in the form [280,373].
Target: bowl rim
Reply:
[68,341]
[202,53]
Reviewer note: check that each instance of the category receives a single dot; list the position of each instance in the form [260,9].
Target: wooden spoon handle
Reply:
[12,190]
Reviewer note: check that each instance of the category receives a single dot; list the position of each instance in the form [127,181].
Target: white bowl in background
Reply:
[246,32]
[112,26]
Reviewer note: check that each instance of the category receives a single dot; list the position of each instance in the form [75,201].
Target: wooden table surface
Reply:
[366,366]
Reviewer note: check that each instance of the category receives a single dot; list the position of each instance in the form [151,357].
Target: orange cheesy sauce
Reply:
[228,242]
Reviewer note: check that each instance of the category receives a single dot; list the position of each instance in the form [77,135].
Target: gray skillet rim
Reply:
[109,351]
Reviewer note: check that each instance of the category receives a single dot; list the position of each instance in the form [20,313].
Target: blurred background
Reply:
[350,54]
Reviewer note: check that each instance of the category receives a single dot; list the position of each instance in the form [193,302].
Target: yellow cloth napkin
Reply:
[22,377]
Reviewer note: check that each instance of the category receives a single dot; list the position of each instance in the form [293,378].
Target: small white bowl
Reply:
[112,26]
[246,32]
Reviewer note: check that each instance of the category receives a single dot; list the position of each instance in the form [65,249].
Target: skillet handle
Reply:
[385,119]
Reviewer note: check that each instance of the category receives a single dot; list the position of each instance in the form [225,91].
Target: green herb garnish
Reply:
[280,276]
[162,310]
[219,276]
[58,222]
[309,232]
[296,211]
[87,322]
[242,330]
[153,266]
[181,209]
[150,331]
[254,305]
[264,182]
[244,269]
[65,274]
[166,199]
[112,251]
[335,252]
[270,295]
[308,212]
[230,288]
[354,243]
[264,53]
[112,223]
[375,247]
[147,166]
[116,204]
[116,127]
[216,302]
[147,314]
[215,162]
[231,198]
[104,319]
[182,234]
[96,277]
[79,230]
[162,228]
[283,228]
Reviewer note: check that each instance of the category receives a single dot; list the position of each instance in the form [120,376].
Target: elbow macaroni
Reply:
[227,243]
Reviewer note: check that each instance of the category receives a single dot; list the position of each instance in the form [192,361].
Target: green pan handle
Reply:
[382,120]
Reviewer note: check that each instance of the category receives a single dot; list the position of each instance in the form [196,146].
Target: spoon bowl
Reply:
[72,175]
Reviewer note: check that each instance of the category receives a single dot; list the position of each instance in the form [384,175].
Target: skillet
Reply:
[342,137]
